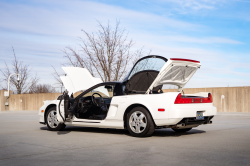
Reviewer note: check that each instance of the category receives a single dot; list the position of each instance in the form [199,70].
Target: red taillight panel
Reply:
[189,60]
[210,97]
[189,100]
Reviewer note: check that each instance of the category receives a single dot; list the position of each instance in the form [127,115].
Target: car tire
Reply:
[139,122]
[182,130]
[52,122]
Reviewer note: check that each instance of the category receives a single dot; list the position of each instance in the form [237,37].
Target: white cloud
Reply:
[187,39]
[79,14]
[204,40]
[188,6]
[38,34]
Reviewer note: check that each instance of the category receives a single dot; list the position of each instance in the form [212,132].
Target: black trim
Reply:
[152,56]
[86,122]
[193,120]
[42,123]
[60,110]
[59,97]
[145,57]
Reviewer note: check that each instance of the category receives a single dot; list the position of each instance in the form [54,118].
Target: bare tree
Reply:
[26,79]
[106,53]
[57,78]
[42,88]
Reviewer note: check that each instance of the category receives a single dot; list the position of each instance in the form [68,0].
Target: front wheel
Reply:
[52,122]
[182,130]
[140,123]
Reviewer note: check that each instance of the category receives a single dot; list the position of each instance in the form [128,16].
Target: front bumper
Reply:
[41,114]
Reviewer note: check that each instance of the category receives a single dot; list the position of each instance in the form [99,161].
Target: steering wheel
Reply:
[94,101]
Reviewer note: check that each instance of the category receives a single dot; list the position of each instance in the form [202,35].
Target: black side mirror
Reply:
[108,87]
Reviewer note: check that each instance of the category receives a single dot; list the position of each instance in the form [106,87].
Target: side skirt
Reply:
[116,124]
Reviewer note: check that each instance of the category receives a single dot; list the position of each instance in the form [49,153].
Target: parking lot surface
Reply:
[23,141]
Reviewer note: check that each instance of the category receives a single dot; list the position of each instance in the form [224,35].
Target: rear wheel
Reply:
[182,130]
[140,123]
[52,122]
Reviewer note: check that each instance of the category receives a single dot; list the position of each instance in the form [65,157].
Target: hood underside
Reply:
[80,79]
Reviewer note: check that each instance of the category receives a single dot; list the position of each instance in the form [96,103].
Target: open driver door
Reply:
[62,108]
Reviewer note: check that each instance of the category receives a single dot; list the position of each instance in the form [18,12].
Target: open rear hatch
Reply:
[176,72]
[150,73]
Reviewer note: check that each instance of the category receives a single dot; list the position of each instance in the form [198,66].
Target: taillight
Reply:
[189,100]
[210,97]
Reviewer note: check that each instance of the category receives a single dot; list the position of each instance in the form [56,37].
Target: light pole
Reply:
[7,93]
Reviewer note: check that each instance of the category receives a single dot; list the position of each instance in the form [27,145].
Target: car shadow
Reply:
[94,130]
[157,133]
[170,133]
[69,129]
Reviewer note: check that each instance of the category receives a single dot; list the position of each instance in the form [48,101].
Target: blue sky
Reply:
[215,32]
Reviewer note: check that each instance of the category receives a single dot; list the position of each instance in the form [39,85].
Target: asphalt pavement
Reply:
[23,141]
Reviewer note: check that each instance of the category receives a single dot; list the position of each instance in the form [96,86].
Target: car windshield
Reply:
[150,63]
[102,90]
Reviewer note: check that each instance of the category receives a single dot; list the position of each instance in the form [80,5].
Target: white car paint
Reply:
[171,116]
[45,105]
[164,77]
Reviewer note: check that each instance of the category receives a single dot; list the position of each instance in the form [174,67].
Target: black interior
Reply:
[140,82]
[86,109]
[95,108]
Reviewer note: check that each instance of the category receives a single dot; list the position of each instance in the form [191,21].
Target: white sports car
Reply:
[137,104]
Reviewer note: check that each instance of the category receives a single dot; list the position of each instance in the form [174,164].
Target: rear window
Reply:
[151,63]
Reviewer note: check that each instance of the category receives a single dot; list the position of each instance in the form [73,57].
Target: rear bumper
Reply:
[194,121]
[190,110]
[187,121]
[177,113]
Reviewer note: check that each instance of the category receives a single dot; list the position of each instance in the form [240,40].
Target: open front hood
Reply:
[78,79]
[176,72]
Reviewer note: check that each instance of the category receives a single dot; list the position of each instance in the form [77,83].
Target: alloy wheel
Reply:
[137,122]
[52,119]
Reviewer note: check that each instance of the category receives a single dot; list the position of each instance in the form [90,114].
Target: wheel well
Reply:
[46,110]
[130,108]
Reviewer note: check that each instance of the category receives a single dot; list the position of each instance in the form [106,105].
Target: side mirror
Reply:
[108,87]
